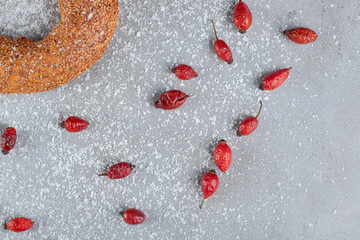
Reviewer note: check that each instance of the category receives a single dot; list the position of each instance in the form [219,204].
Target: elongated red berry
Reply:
[274,79]
[209,185]
[249,124]
[119,170]
[222,49]
[184,72]
[8,140]
[74,124]
[222,156]
[19,224]
[242,17]
[301,35]
[133,216]
[171,100]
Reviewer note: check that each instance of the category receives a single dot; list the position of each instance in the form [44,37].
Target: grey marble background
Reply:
[296,177]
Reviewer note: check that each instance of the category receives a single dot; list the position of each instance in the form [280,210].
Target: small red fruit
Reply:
[209,185]
[74,124]
[119,170]
[242,17]
[248,125]
[222,156]
[184,72]
[274,79]
[8,140]
[301,35]
[19,224]
[222,49]
[133,216]
[171,100]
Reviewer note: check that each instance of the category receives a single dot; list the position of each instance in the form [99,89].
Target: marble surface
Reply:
[296,177]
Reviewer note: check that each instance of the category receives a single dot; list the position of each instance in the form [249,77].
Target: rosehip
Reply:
[184,72]
[274,79]
[209,185]
[301,35]
[119,170]
[242,17]
[171,100]
[19,224]
[222,156]
[133,216]
[248,125]
[74,124]
[8,140]
[222,49]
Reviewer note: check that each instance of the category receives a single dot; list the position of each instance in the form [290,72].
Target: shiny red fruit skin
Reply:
[275,79]
[223,51]
[222,156]
[185,72]
[301,35]
[209,183]
[242,17]
[247,126]
[119,170]
[171,100]
[75,124]
[8,140]
[19,224]
[133,216]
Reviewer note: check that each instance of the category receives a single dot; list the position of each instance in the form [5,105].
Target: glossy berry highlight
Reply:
[171,100]
[275,79]
[301,35]
[133,216]
[249,125]
[8,140]
[19,224]
[185,72]
[221,48]
[242,17]
[119,170]
[209,185]
[222,155]
[74,124]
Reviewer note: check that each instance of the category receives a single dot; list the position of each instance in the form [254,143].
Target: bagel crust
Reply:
[71,48]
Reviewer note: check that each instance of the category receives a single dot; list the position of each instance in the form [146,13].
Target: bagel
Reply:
[71,48]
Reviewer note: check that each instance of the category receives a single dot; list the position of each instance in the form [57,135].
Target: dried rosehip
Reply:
[19,224]
[8,140]
[133,216]
[171,100]
[119,170]
[74,124]
[301,35]
[185,72]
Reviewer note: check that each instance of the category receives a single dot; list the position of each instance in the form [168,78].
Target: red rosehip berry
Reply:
[74,124]
[133,216]
[185,72]
[249,124]
[119,170]
[301,35]
[209,185]
[171,100]
[275,79]
[222,49]
[8,140]
[19,224]
[242,17]
[222,156]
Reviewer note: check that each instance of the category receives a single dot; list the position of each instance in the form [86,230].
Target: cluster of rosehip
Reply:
[171,100]
[120,170]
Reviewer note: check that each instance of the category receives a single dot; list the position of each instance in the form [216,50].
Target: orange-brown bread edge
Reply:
[71,48]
